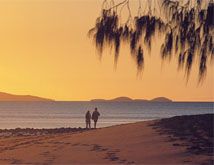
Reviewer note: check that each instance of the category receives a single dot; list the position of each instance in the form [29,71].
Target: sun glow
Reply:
[45,51]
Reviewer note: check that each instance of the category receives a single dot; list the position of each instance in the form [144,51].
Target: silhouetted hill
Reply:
[127,99]
[122,99]
[118,99]
[12,97]
[161,99]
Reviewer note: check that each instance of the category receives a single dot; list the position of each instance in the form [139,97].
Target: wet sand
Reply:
[177,140]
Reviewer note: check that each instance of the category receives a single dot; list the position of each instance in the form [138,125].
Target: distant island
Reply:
[127,99]
[12,97]
[161,99]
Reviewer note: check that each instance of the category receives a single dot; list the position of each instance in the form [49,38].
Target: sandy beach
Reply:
[177,140]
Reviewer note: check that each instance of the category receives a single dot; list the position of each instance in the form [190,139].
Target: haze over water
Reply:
[45,51]
[72,114]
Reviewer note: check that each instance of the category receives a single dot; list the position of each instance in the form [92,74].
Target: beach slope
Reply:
[150,142]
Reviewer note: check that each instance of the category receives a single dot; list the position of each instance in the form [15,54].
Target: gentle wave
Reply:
[71,114]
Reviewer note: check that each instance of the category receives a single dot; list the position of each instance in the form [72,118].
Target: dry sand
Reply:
[151,142]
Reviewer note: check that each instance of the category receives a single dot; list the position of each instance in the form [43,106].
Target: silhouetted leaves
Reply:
[140,58]
[188,27]
[167,46]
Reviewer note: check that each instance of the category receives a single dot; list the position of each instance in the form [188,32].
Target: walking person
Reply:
[95,116]
[88,119]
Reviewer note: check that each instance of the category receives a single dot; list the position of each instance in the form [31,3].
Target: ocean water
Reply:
[71,114]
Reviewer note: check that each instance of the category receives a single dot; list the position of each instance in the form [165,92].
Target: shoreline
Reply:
[75,128]
[42,131]
[177,140]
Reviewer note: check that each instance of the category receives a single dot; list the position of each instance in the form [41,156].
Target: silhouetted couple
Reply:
[88,117]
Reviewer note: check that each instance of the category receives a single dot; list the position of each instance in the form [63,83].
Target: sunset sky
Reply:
[45,51]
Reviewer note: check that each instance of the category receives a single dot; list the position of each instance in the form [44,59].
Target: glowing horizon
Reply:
[45,52]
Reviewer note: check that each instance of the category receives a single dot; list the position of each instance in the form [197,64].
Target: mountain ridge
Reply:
[128,99]
[12,97]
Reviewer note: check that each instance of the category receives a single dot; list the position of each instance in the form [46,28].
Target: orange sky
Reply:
[45,51]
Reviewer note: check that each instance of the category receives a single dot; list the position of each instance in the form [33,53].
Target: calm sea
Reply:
[71,114]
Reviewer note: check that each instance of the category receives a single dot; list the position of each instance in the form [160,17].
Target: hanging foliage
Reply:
[188,27]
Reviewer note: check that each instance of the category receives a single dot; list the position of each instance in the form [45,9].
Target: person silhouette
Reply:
[88,119]
[95,116]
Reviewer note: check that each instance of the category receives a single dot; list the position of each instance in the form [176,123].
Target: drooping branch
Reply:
[188,28]
[119,4]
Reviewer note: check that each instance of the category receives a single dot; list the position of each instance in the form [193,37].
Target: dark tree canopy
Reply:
[187,25]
